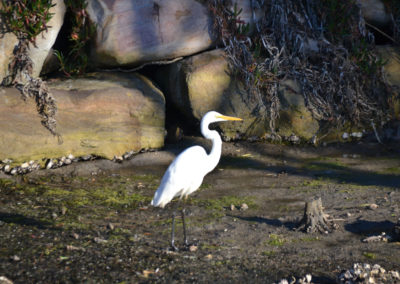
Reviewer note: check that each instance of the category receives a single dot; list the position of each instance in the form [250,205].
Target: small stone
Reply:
[373,206]
[244,207]
[208,256]
[54,215]
[233,207]
[14,171]
[348,214]
[345,135]
[308,278]
[371,280]
[67,161]
[71,157]
[31,162]
[283,281]
[15,258]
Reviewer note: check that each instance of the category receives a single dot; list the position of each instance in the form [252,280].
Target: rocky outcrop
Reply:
[101,114]
[130,33]
[201,83]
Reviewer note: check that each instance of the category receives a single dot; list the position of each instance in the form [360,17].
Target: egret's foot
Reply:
[191,246]
[174,247]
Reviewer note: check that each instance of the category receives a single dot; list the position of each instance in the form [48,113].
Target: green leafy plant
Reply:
[75,61]
[26,18]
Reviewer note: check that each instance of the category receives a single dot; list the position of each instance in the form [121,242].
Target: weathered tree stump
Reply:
[314,219]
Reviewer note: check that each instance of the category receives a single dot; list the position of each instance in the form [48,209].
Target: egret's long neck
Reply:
[215,153]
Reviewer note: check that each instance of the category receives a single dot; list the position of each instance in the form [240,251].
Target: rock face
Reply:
[44,42]
[375,13]
[201,83]
[391,55]
[102,114]
[131,32]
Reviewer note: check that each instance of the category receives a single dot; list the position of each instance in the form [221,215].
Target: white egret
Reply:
[185,174]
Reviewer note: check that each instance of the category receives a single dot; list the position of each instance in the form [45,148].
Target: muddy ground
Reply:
[91,221]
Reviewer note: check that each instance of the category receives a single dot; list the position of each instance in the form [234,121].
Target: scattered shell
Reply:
[49,164]
[379,238]
[72,248]
[373,206]
[25,165]
[244,207]
[367,274]
[15,258]
[193,248]
[100,240]
[64,210]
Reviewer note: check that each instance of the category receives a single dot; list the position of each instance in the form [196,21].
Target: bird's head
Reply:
[213,116]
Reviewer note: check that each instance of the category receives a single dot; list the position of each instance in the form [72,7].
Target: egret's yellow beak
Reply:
[229,117]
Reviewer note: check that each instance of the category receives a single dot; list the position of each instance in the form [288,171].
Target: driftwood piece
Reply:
[314,219]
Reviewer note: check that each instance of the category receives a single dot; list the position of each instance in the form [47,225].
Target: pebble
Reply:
[7,169]
[233,207]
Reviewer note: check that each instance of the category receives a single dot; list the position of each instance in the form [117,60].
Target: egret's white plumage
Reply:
[185,174]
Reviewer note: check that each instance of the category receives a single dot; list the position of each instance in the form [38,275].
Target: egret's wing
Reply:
[180,175]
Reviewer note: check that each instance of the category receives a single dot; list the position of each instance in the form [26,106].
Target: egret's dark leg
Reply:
[185,241]
[173,232]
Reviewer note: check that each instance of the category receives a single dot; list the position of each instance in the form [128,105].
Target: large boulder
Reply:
[202,82]
[38,51]
[132,32]
[375,13]
[103,114]
[45,41]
